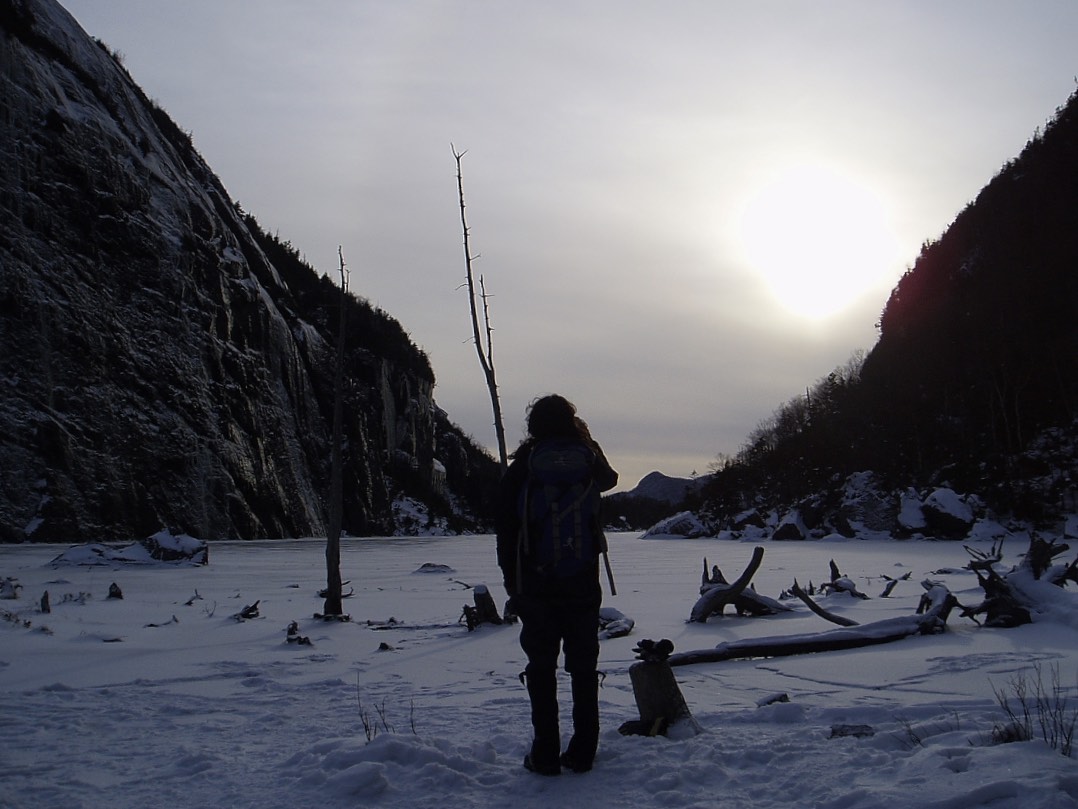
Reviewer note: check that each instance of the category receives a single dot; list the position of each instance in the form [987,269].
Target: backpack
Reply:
[561,531]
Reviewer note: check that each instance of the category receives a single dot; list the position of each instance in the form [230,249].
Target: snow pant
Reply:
[550,625]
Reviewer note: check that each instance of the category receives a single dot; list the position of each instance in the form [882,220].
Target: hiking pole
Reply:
[609,574]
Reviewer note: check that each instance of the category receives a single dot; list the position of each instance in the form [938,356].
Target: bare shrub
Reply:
[1034,704]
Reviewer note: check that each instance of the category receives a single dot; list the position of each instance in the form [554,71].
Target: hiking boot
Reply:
[580,752]
[546,743]
[540,767]
[571,762]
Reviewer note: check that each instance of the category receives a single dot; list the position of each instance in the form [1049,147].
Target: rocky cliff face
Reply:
[157,368]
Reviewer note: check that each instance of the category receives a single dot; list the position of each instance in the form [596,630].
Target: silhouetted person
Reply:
[549,540]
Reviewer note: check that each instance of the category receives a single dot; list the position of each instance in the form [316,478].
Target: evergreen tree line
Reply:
[977,354]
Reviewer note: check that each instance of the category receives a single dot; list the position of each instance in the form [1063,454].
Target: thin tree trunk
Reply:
[333,604]
[484,349]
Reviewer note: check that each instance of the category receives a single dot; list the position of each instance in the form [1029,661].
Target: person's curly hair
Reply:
[553,416]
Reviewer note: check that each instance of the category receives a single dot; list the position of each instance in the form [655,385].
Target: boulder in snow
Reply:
[684,524]
[947,514]
[791,527]
[865,506]
[166,547]
[162,547]
[614,623]
[752,517]
[911,518]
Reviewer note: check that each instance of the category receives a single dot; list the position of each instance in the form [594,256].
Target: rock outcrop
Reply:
[159,369]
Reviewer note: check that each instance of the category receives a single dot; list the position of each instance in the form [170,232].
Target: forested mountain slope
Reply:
[165,363]
[974,379]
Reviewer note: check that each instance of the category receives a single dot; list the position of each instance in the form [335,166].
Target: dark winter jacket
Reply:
[507,524]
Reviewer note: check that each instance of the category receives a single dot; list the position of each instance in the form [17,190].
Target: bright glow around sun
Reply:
[818,238]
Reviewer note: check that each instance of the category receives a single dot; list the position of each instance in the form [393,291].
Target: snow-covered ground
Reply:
[165,699]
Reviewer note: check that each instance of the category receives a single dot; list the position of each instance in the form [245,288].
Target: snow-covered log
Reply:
[1013,598]
[932,621]
[853,637]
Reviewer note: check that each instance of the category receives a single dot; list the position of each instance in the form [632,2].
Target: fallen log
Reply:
[931,622]
[833,640]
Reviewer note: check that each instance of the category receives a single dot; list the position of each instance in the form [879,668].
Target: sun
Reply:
[818,238]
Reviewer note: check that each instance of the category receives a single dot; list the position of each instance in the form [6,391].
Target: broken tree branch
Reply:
[816,608]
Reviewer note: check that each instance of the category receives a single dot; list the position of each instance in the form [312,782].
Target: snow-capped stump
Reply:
[484,612]
[9,588]
[292,635]
[662,706]
[947,514]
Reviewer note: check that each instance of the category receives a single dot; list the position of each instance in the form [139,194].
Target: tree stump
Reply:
[659,699]
[485,610]
[484,603]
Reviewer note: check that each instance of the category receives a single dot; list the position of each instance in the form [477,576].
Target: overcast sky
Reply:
[686,212]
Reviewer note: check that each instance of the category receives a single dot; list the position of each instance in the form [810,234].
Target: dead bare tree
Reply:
[333,607]
[481,337]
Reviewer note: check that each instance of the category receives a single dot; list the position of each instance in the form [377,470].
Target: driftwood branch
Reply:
[798,591]
[716,596]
